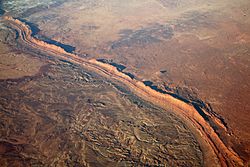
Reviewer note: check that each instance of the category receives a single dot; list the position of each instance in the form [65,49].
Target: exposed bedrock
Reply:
[197,118]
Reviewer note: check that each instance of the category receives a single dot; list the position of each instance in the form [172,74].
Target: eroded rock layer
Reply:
[208,139]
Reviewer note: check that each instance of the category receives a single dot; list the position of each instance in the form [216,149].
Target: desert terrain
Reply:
[125,83]
[64,115]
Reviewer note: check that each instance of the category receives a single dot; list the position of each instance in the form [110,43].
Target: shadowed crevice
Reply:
[35,33]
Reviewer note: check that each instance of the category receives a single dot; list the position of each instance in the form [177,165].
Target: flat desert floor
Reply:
[58,113]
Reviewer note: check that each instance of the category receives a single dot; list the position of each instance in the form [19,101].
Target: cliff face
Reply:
[27,32]
[186,111]
[48,46]
[212,145]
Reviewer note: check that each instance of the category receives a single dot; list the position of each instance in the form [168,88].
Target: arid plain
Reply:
[71,77]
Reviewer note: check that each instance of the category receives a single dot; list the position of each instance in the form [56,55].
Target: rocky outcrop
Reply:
[213,147]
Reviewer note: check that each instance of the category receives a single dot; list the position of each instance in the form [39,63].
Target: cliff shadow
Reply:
[35,33]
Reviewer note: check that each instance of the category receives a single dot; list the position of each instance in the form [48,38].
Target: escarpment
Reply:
[27,34]
[214,150]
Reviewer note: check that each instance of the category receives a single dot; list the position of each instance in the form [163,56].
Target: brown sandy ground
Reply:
[204,55]
[16,65]
[226,155]
[68,116]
